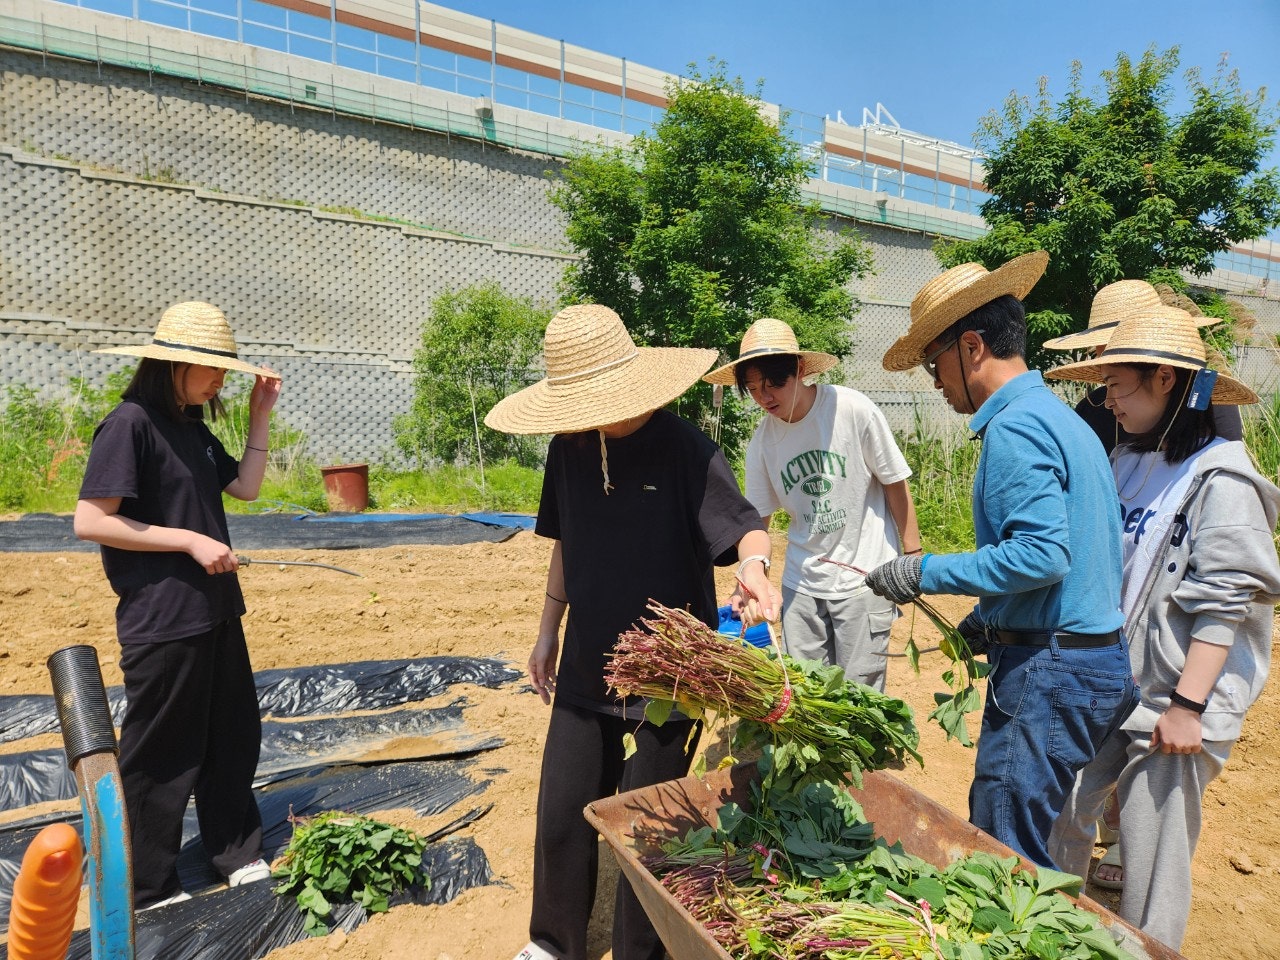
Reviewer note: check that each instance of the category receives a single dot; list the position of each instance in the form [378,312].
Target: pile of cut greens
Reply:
[806,877]
[799,874]
[337,856]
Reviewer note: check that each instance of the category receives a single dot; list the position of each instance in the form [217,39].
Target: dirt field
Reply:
[484,600]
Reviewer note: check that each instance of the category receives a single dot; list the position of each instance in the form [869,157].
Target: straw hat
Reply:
[1168,336]
[957,293]
[767,337]
[194,332]
[1113,303]
[597,376]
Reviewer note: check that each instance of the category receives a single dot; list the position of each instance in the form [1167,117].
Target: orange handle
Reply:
[45,895]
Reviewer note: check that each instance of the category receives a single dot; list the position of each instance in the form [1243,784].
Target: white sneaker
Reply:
[180,897]
[534,952]
[250,873]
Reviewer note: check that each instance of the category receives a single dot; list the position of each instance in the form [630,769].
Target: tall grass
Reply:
[507,488]
[44,442]
[943,460]
[1262,435]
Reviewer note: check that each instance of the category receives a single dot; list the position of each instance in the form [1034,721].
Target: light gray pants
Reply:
[1159,796]
[852,632]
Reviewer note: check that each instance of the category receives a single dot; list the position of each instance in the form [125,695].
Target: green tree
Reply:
[478,345]
[692,233]
[1115,185]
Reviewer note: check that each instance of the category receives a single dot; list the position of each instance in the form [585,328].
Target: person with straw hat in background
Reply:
[152,497]
[1046,570]
[641,505]
[1201,580]
[826,456]
[1111,304]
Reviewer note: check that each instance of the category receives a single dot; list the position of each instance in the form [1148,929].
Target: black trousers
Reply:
[581,762]
[191,725]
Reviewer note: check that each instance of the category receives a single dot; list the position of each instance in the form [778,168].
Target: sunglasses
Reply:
[928,363]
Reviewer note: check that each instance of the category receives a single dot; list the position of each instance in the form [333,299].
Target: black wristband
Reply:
[1179,700]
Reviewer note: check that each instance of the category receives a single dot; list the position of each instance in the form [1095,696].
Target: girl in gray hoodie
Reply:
[1201,580]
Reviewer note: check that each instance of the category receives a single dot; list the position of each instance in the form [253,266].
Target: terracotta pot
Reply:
[346,485]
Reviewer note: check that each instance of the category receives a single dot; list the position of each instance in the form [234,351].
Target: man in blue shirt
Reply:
[1047,569]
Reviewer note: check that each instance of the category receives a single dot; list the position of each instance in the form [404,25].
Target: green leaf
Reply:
[658,711]
[1047,881]
[989,919]
[628,746]
[928,888]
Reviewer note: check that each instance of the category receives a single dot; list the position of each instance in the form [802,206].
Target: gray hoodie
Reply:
[1217,582]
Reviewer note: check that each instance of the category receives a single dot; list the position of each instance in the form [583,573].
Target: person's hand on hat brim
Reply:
[266,391]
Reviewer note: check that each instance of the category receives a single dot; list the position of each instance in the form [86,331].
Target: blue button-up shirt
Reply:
[1044,518]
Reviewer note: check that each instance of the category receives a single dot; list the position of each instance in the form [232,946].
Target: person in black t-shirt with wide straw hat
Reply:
[641,505]
[152,497]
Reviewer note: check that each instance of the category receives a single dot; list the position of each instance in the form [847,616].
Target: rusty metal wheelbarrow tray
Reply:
[636,823]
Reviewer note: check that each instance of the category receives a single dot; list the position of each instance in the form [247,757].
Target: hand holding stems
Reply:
[757,598]
[898,580]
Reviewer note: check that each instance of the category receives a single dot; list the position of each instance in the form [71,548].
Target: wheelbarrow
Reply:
[636,823]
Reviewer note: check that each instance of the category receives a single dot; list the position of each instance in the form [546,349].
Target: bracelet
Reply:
[751,559]
[556,599]
[259,449]
[1195,706]
[908,553]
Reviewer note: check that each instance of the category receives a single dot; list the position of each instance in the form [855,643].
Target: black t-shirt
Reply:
[169,474]
[1226,420]
[675,511]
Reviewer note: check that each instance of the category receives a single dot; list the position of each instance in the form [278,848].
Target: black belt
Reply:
[1041,638]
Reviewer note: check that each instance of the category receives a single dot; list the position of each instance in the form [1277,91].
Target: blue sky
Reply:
[938,66]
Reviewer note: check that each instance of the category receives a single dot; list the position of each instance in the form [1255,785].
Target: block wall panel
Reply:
[335,303]
[170,129]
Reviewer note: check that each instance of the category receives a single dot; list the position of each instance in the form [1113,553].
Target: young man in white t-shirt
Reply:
[826,456]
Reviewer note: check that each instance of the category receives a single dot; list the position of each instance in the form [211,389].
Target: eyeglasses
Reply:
[928,362]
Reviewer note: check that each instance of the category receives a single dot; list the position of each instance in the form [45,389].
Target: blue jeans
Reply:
[1048,711]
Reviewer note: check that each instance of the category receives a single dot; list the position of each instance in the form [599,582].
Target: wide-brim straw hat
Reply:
[1167,336]
[955,294]
[597,376]
[194,332]
[1113,303]
[770,337]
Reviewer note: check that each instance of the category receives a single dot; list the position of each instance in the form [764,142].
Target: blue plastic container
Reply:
[731,626]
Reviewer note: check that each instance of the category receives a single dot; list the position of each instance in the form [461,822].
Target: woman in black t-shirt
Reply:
[152,497]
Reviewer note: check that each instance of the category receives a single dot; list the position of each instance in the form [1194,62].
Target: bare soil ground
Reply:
[484,600]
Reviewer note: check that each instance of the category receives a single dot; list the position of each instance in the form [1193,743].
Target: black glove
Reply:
[898,580]
[974,632]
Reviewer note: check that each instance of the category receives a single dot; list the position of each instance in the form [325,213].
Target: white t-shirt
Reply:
[828,472]
[1151,490]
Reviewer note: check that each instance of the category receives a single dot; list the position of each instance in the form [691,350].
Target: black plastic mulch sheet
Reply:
[300,691]
[288,747]
[47,533]
[428,787]
[249,922]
